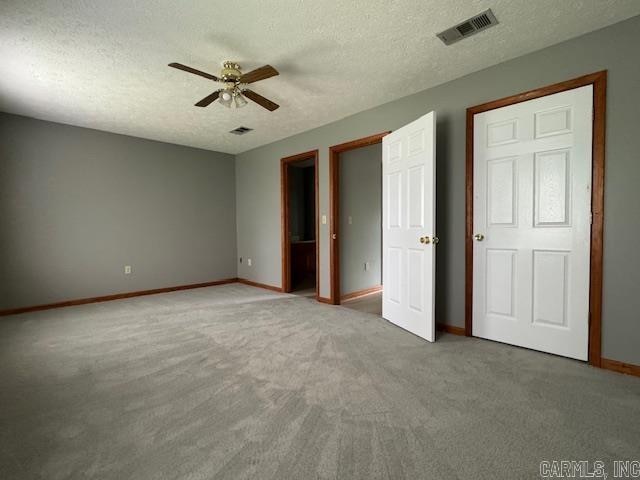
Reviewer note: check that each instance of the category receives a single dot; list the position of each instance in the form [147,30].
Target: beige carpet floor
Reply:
[234,382]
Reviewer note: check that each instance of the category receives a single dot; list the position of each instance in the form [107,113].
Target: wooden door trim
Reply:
[284,217]
[334,206]
[599,82]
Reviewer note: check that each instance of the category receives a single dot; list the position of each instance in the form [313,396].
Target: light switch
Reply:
[366,266]
[350,220]
[249,262]
[324,219]
[127,269]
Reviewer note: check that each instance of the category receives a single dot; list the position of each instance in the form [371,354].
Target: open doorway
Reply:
[299,188]
[356,224]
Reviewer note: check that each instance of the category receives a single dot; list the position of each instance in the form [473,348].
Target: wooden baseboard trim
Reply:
[451,329]
[620,367]
[361,293]
[251,283]
[324,300]
[116,296]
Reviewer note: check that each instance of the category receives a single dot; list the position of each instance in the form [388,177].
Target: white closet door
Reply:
[532,223]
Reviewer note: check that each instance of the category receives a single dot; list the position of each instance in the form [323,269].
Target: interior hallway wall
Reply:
[361,199]
[77,205]
[613,48]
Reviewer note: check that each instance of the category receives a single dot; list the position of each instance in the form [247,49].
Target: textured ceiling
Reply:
[103,64]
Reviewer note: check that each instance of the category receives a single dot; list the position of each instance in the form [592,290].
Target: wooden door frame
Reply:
[599,82]
[284,221]
[334,205]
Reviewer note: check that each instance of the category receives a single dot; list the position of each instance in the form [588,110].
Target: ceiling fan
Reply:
[234,92]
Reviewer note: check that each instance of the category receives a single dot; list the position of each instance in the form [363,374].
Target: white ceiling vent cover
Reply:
[241,130]
[469,27]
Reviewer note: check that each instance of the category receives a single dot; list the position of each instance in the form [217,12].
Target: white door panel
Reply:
[408,192]
[532,204]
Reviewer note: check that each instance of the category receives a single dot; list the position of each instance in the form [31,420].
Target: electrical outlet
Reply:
[240,259]
[249,262]
[350,220]
[324,219]
[127,269]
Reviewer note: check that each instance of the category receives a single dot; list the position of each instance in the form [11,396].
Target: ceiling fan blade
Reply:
[208,100]
[260,100]
[179,66]
[259,74]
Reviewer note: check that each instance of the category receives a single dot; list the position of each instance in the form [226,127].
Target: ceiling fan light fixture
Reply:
[239,100]
[226,97]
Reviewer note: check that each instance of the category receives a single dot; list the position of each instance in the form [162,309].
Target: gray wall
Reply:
[76,205]
[360,199]
[613,48]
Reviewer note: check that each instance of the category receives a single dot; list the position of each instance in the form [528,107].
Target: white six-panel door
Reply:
[408,218]
[532,215]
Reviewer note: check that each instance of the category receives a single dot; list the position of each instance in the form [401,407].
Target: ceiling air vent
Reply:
[241,130]
[469,27]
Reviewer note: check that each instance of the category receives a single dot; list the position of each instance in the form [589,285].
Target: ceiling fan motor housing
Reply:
[230,72]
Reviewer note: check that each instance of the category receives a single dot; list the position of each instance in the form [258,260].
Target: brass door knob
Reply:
[479,237]
[425,240]
[436,240]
